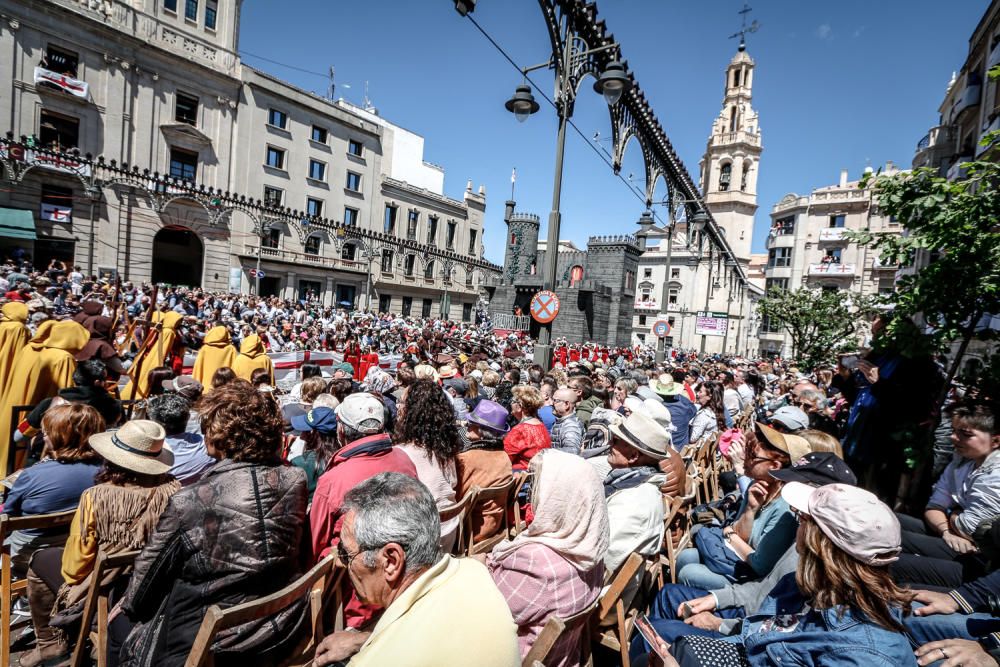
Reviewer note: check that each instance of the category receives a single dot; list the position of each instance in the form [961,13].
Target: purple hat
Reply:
[490,415]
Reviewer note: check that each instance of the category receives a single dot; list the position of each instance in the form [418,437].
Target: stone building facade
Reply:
[158,85]
[596,286]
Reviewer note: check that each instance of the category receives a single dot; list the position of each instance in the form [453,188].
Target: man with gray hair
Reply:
[365,451]
[437,608]
[191,459]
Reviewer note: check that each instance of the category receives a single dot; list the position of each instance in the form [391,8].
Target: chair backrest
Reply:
[553,631]
[460,511]
[17,414]
[8,524]
[626,573]
[96,604]
[520,480]
[502,497]
[312,584]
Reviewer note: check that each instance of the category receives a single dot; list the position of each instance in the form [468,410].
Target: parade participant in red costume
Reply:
[352,355]
[368,360]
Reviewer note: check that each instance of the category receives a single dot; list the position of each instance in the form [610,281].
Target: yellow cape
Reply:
[44,367]
[13,336]
[217,352]
[252,356]
[153,356]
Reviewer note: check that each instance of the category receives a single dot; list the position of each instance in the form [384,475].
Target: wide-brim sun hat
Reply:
[793,445]
[641,431]
[491,416]
[137,446]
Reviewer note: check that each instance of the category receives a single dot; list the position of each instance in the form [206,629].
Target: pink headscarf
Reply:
[571,514]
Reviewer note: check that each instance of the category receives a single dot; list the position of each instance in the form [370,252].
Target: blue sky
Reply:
[838,86]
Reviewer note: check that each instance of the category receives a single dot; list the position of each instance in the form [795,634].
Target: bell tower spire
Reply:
[729,166]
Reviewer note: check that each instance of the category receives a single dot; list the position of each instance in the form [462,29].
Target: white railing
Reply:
[831,269]
[303,258]
[510,322]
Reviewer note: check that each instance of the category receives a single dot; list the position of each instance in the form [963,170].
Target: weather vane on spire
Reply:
[744,28]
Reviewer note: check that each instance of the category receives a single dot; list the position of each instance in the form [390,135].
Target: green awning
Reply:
[17,223]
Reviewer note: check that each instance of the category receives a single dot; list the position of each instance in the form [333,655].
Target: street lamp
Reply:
[570,64]
[447,272]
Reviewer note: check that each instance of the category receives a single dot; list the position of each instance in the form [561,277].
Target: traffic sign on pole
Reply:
[661,328]
[544,306]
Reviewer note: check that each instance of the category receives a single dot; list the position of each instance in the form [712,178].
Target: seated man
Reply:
[567,432]
[687,610]
[632,488]
[438,610]
[365,450]
[191,459]
[939,551]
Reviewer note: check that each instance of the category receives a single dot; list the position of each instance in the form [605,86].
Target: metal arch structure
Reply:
[633,117]
[18,158]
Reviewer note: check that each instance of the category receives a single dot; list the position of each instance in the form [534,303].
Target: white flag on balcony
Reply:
[62,82]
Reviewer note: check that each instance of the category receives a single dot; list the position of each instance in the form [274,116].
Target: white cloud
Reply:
[825,31]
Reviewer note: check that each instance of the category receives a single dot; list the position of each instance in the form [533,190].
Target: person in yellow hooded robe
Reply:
[253,356]
[13,337]
[154,355]
[216,352]
[44,367]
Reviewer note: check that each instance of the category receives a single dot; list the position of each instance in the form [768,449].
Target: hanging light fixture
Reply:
[613,83]
[522,104]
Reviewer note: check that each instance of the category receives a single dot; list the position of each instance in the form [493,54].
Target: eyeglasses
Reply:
[562,400]
[345,557]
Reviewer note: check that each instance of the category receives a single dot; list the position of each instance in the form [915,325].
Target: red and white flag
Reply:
[65,83]
[56,213]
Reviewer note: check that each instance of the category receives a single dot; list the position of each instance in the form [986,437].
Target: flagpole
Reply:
[513,177]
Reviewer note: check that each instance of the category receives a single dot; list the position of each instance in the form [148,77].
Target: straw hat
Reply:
[643,433]
[136,446]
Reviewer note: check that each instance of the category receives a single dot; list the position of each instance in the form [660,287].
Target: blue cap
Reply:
[323,420]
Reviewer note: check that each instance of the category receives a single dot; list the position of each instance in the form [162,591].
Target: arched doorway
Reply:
[178,255]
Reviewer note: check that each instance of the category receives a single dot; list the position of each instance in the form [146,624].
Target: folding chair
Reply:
[554,630]
[15,589]
[96,602]
[460,510]
[502,497]
[520,480]
[612,608]
[313,586]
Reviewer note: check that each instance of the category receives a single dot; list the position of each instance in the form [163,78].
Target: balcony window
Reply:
[473,233]
[353,182]
[183,164]
[271,238]
[411,225]
[672,297]
[832,256]
[319,134]
[432,230]
[211,13]
[314,207]
[355,148]
[61,61]
[350,216]
[450,234]
[429,270]
[277,118]
[186,109]
[389,223]
[779,257]
[386,261]
[784,226]
[317,170]
[349,252]
[837,221]
[191,10]
[647,273]
[273,196]
[313,244]
[408,264]
[275,158]
[675,273]
[58,132]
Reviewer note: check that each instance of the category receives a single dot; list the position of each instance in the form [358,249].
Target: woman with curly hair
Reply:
[529,436]
[232,537]
[427,432]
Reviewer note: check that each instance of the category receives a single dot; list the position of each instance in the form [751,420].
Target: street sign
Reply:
[256,273]
[260,273]
[544,306]
[661,328]
[711,324]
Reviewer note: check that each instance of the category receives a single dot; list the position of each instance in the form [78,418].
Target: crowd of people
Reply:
[229,486]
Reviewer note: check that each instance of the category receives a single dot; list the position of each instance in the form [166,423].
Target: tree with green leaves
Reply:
[955,223]
[821,323]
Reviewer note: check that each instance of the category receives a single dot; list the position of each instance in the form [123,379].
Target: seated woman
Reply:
[485,464]
[555,567]
[55,483]
[232,537]
[939,550]
[840,606]
[749,546]
[529,436]
[427,432]
[117,514]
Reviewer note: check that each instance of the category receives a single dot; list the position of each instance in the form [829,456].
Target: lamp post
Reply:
[570,63]
[447,272]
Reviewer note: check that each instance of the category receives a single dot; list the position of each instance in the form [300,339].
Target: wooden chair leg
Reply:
[101,645]
[622,635]
[7,600]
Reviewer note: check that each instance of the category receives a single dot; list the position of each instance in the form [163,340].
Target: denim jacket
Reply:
[786,631]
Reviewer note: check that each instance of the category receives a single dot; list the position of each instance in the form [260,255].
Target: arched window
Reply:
[429,270]
[725,176]
[732,118]
[745,176]
[349,251]
[313,244]
[575,275]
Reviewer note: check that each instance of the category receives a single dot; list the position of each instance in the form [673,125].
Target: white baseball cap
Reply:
[359,408]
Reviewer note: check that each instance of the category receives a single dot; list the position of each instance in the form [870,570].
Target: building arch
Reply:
[178,256]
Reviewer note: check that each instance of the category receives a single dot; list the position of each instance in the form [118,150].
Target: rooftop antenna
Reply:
[744,28]
[367,103]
